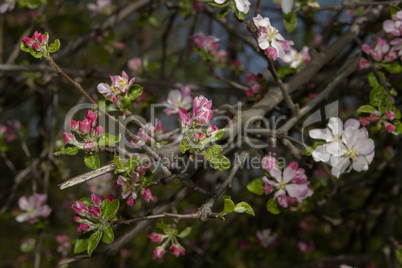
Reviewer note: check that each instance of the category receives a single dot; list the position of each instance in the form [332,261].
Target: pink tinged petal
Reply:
[364,146]
[366,48]
[23,203]
[320,154]
[96,200]
[85,126]
[82,227]
[263,42]
[94,211]
[158,253]
[267,189]
[175,250]
[243,6]
[268,163]
[336,148]
[186,91]
[288,174]
[282,201]
[336,125]
[280,192]
[271,53]
[340,167]
[104,88]
[73,124]
[297,191]
[321,134]
[45,211]
[370,157]
[130,201]
[147,195]
[99,130]
[360,163]
[68,138]
[88,146]
[27,41]
[22,217]
[349,137]
[352,123]
[388,26]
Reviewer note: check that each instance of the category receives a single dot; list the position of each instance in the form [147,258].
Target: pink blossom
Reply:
[94,211]
[85,126]
[63,244]
[305,247]
[128,187]
[177,99]
[202,112]
[80,208]
[73,124]
[158,253]
[373,117]
[363,63]
[147,195]
[135,64]
[206,43]
[394,26]
[155,237]
[88,146]
[389,128]
[366,48]
[96,200]
[99,130]
[175,250]
[364,121]
[295,59]
[390,115]
[266,237]
[120,85]
[130,201]
[68,138]
[83,227]
[34,206]
[212,130]
[27,41]
[184,118]
[92,116]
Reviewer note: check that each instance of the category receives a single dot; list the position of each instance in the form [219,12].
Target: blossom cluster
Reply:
[120,86]
[290,186]
[87,131]
[380,119]
[35,207]
[207,46]
[297,60]
[270,40]
[384,51]
[257,86]
[88,213]
[168,239]
[346,146]
[38,41]
[136,184]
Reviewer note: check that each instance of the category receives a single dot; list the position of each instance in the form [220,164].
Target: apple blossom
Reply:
[202,112]
[205,43]
[158,253]
[177,250]
[89,146]
[80,208]
[266,237]
[155,237]
[269,39]
[184,118]
[178,98]
[34,206]
[68,138]
[85,126]
[135,65]
[120,85]
[363,63]
[291,182]
[295,59]
[242,6]
[63,244]
[394,26]
[128,187]
[147,195]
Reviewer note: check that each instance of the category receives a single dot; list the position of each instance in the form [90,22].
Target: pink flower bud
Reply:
[130,201]
[92,116]
[95,211]
[82,227]
[96,200]
[202,112]
[110,197]
[27,41]
[366,48]
[80,208]
[184,117]
[271,53]
[85,126]
[373,117]
[363,64]
[389,128]
[267,189]
[76,218]
[391,115]
[41,38]
[282,200]
[147,195]
[293,165]
[364,121]
[154,237]
[99,130]
[88,146]
[175,250]
[142,169]
[158,253]
[159,126]
[36,46]
[73,124]
[68,138]
[212,130]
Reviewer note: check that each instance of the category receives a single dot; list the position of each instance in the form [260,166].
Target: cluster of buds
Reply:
[136,184]
[35,207]
[290,186]
[87,131]
[257,86]
[88,213]
[142,134]
[193,125]
[207,46]
[380,53]
[121,92]
[380,119]
[168,239]
[394,27]
[37,45]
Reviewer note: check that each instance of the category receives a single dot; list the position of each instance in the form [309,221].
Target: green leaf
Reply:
[398,127]
[241,15]
[285,70]
[393,67]
[378,96]
[67,149]
[132,162]
[184,146]
[108,235]
[228,205]
[24,48]
[92,161]
[106,139]
[223,13]
[256,186]
[185,232]
[393,92]
[35,53]
[243,207]
[109,209]
[219,161]
[272,206]
[134,92]
[393,10]
[373,81]
[163,227]
[54,46]
[366,109]
[153,21]
[219,134]
[94,241]
[117,162]
[107,105]
[290,21]
[87,201]
[219,5]
[396,111]
[81,244]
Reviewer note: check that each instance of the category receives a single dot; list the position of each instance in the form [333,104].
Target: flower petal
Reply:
[360,163]
[336,125]
[341,164]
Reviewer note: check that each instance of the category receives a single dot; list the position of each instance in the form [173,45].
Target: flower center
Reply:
[271,33]
[282,184]
[121,84]
[352,153]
